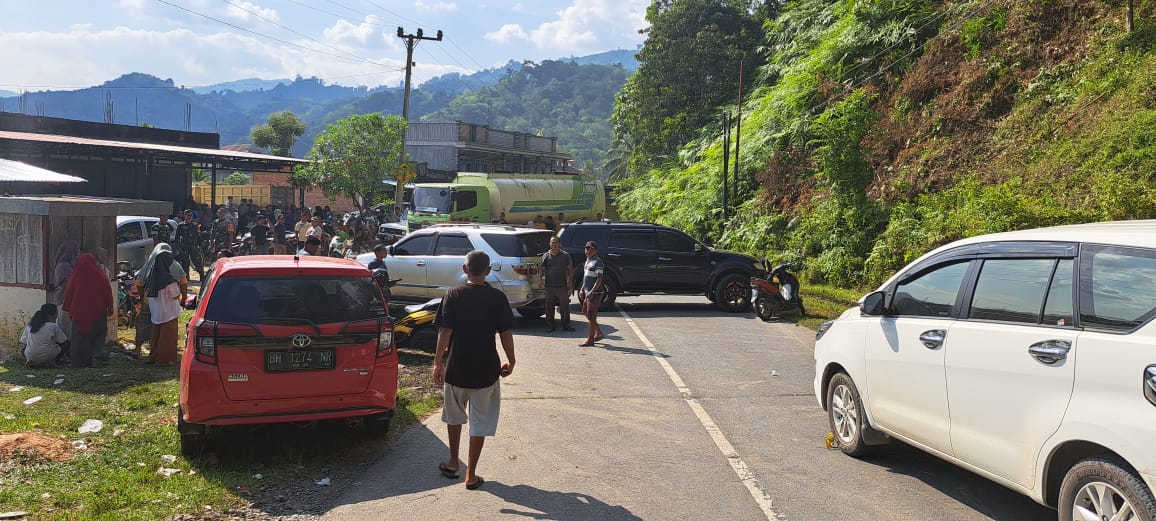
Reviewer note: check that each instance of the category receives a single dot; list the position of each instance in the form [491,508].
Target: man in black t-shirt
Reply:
[260,233]
[468,319]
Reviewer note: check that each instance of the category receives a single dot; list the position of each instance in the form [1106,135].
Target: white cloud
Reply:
[447,7]
[83,57]
[507,33]
[246,11]
[592,25]
[344,31]
[130,4]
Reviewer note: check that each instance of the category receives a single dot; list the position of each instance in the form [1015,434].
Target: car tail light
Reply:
[529,270]
[206,342]
[385,341]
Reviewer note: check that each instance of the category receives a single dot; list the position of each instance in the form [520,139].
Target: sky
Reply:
[67,44]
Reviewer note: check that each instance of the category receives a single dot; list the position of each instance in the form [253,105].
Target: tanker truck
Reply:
[481,197]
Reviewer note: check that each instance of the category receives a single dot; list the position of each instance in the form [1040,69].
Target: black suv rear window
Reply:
[277,300]
[574,236]
[519,244]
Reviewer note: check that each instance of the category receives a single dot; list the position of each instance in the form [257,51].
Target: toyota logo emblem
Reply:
[301,340]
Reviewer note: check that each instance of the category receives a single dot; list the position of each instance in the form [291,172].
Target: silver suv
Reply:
[429,261]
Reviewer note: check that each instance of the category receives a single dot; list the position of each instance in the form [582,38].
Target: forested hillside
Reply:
[873,131]
[554,98]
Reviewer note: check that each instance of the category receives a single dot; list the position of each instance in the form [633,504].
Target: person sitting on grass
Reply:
[45,344]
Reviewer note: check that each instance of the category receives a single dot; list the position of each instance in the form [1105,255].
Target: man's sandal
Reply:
[447,471]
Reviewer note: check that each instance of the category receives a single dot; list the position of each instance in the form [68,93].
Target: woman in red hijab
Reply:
[88,301]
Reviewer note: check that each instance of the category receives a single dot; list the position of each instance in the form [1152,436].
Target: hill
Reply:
[234,108]
[875,131]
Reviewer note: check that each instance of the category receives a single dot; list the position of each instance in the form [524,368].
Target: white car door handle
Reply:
[933,338]
[420,264]
[1050,352]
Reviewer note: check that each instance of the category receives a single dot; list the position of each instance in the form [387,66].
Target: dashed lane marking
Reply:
[746,475]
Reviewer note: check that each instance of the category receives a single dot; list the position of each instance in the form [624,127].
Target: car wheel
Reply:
[377,425]
[610,295]
[846,417]
[733,293]
[1104,487]
[192,435]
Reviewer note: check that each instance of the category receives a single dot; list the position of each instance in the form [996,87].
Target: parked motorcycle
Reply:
[416,329]
[127,296]
[778,293]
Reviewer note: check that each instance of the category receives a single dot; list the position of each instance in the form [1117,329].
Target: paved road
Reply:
[605,433]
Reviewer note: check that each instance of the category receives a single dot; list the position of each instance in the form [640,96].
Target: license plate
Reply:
[312,360]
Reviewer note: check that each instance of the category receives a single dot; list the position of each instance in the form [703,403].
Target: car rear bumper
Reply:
[204,401]
[521,293]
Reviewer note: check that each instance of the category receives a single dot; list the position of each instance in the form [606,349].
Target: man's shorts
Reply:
[591,304]
[484,404]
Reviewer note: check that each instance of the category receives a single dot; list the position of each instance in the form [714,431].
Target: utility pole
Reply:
[738,134]
[410,42]
[726,162]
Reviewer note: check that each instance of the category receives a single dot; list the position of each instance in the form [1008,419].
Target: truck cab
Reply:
[439,203]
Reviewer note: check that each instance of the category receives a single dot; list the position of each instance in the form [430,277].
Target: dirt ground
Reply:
[33,447]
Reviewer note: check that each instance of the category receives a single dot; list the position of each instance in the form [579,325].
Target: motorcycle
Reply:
[416,328]
[778,293]
[127,296]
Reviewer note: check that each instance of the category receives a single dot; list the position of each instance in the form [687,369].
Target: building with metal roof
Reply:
[124,161]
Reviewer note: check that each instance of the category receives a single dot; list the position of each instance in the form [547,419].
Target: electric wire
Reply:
[303,35]
[286,42]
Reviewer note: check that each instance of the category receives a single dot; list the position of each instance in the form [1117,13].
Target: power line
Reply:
[286,42]
[303,35]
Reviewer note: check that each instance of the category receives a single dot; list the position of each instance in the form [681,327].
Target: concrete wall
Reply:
[16,308]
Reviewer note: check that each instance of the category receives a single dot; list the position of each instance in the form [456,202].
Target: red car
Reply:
[287,339]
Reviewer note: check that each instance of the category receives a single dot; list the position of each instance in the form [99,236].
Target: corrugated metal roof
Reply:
[15,171]
[53,138]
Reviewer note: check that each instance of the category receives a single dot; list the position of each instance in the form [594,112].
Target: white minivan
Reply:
[1028,357]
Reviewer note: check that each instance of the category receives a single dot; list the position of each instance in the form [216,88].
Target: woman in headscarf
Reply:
[88,301]
[144,323]
[165,295]
[65,260]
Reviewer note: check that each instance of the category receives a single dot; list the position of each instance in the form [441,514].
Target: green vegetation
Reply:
[117,474]
[236,178]
[353,156]
[876,131]
[278,133]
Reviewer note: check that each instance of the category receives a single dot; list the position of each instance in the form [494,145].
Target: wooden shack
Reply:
[35,226]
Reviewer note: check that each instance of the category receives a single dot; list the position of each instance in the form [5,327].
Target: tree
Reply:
[278,133]
[236,178]
[688,67]
[353,156]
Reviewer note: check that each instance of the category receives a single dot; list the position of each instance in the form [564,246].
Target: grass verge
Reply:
[55,472]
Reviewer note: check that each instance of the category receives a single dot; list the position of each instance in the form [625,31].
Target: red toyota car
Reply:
[277,338]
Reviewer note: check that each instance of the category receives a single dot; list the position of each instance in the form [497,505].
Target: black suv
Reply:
[649,258]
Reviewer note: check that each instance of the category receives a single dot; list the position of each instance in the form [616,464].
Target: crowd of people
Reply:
[72,328]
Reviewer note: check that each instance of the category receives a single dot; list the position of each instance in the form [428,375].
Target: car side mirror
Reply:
[873,304]
[191,302]
[697,248]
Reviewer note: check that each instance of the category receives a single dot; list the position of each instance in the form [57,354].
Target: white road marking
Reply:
[746,475]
